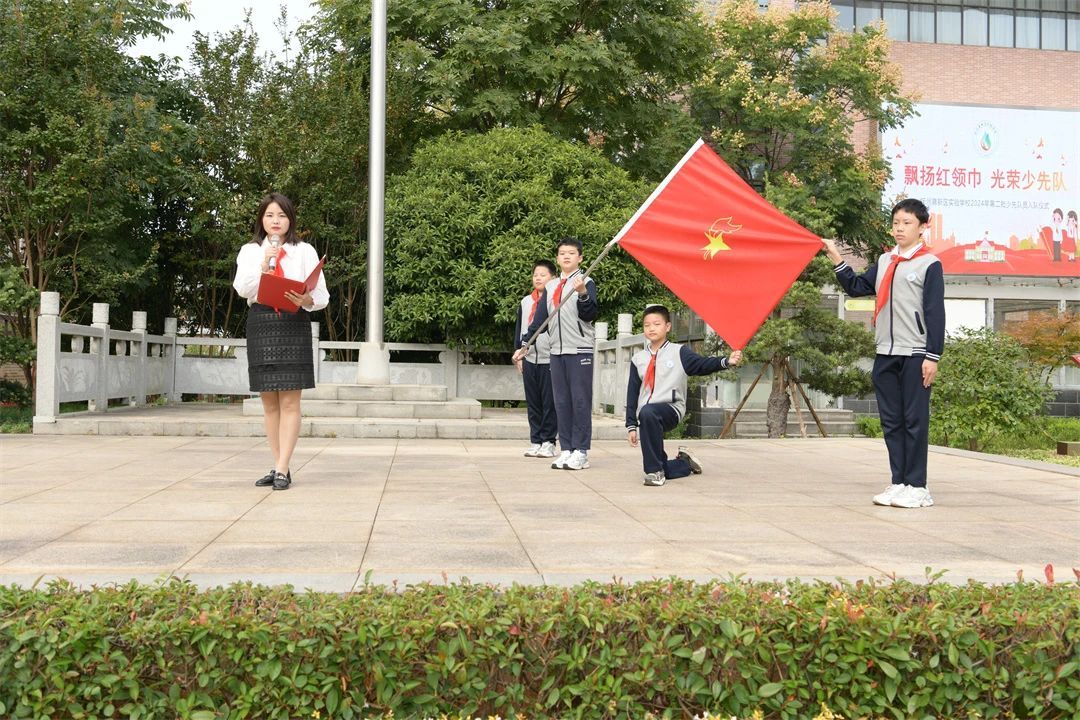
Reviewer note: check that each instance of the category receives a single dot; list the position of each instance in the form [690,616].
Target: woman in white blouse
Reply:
[279,348]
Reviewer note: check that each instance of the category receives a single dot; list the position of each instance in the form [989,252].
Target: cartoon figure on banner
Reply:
[1068,245]
[1053,235]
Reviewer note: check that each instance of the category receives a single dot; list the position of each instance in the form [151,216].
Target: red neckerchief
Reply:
[886,282]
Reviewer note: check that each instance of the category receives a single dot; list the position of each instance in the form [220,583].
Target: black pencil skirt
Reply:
[279,350]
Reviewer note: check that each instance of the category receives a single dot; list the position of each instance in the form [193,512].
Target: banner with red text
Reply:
[1002,185]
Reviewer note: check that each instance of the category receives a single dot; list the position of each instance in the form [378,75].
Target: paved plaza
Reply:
[108,509]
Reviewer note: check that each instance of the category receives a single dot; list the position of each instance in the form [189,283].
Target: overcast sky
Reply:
[210,16]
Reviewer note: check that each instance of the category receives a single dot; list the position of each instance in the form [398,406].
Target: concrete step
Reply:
[458,408]
[380,393]
[207,420]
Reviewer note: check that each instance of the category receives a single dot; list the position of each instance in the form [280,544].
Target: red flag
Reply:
[718,245]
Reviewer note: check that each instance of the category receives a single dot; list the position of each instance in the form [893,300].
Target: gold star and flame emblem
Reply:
[715,236]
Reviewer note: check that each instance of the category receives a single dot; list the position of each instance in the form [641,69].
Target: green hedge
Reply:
[670,648]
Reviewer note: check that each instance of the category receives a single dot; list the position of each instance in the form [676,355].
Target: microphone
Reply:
[275,242]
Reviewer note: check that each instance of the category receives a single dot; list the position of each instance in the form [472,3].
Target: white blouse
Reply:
[300,259]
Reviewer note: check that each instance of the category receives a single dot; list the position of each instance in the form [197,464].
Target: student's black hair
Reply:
[657,310]
[572,242]
[259,232]
[1057,211]
[915,207]
[547,265]
[1072,214]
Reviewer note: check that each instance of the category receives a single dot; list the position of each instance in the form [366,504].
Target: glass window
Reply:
[1001,28]
[964,313]
[1053,31]
[845,14]
[1072,33]
[896,20]
[1027,29]
[1010,311]
[866,13]
[922,23]
[974,26]
[1054,5]
[1002,3]
[948,24]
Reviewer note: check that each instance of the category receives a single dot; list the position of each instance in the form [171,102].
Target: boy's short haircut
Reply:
[657,310]
[572,242]
[547,265]
[915,207]
[1057,211]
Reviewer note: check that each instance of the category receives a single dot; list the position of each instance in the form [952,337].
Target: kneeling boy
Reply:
[656,395]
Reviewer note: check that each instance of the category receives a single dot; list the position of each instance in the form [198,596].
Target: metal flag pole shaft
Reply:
[376,172]
[558,308]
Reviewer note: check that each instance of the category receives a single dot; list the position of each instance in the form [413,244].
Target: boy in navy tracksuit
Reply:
[534,368]
[909,327]
[571,300]
[656,395]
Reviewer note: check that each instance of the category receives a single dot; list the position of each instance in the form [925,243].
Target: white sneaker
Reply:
[655,479]
[578,461]
[547,450]
[533,451]
[560,462]
[912,497]
[885,498]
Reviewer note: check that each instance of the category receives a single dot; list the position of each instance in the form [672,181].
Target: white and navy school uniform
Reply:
[910,328]
[572,339]
[652,411]
[536,375]
[279,347]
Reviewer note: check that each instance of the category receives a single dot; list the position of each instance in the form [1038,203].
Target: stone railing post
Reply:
[599,362]
[138,351]
[100,347]
[622,359]
[451,361]
[170,349]
[315,349]
[47,374]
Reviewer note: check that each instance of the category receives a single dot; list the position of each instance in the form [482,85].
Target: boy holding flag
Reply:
[909,327]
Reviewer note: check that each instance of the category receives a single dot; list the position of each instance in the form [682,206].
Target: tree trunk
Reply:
[779,401]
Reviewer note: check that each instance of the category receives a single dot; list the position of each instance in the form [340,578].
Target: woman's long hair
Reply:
[259,232]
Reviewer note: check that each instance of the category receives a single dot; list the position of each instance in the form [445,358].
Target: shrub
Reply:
[16,419]
[985,389]
[868,425]
[672,648]
[14,393]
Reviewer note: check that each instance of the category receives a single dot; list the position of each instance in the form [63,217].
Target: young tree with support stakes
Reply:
[783,95]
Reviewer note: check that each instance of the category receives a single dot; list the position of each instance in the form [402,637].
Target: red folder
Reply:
[272,288]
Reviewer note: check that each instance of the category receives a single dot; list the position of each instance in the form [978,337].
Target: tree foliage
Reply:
[1051,339]
[779,101]
[608,71]
[16,300]
[82,145]
[466,223]
[986,388]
